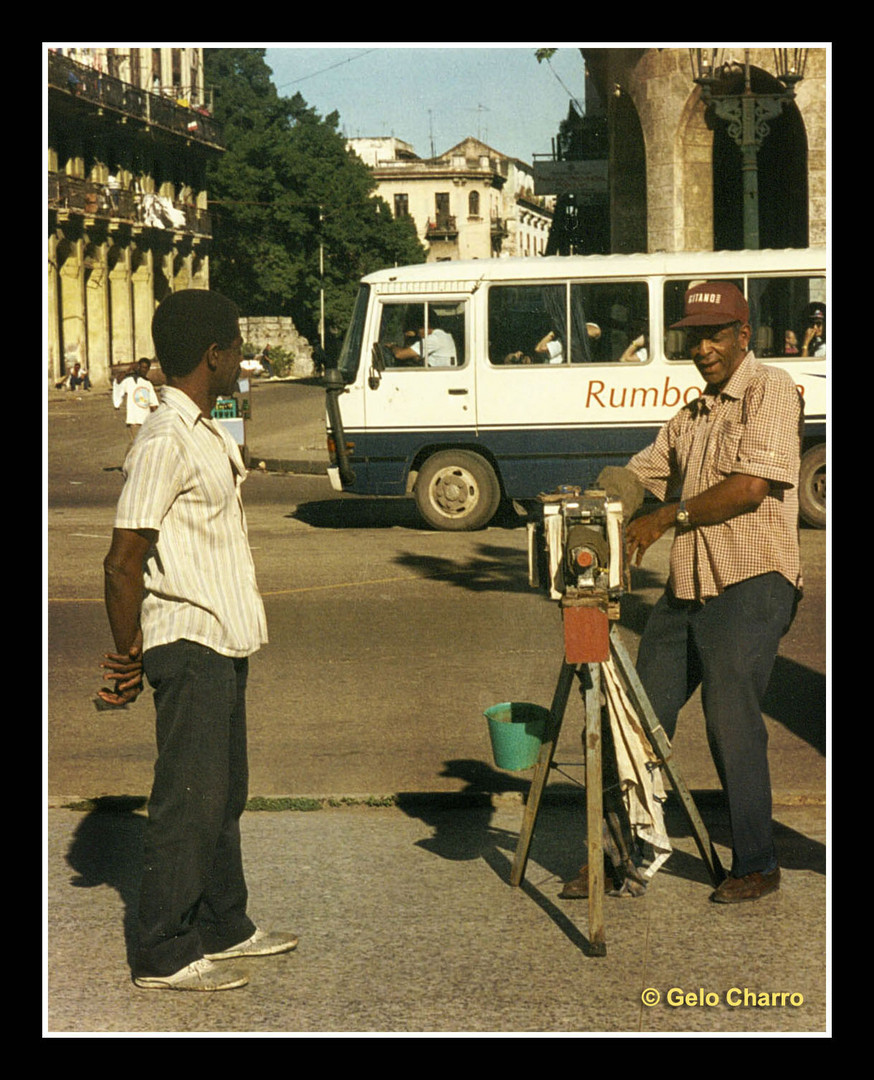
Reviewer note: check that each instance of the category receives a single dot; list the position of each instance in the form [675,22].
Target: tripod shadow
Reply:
[471,834]
[107,849]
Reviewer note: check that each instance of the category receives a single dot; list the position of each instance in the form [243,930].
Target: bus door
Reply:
[420,378]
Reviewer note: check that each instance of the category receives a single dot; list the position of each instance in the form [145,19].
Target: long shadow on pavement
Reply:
[107,849]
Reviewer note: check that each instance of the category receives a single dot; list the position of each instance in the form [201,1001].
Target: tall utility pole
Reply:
[321,282]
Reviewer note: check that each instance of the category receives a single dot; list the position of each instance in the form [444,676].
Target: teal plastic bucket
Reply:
[516,729]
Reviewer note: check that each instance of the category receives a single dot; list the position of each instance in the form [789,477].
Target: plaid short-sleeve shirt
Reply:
[752,426]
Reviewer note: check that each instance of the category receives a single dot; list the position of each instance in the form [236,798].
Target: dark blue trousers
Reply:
[193,895]
[728,646]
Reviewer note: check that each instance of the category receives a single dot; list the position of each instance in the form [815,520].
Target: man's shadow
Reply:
[107,849]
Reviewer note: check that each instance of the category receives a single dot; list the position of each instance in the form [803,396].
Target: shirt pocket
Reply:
[726,456]
[681,448]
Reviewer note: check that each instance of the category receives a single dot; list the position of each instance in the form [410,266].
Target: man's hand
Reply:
[643,532]
[126,670]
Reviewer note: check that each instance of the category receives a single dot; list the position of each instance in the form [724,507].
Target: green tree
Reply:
[286,187]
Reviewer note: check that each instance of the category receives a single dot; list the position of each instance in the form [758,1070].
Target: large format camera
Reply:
[576,552]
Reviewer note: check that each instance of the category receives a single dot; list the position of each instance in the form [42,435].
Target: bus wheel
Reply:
[457,490]
[811,487]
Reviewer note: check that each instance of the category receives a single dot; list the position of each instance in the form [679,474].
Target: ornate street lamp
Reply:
[746,113]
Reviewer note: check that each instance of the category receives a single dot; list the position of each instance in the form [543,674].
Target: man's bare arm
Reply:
[736,494]
[123,593]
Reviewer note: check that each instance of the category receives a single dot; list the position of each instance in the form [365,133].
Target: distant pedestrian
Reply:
[139,393]
[78,377]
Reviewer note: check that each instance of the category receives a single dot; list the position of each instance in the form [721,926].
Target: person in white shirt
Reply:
[185,611]
[138,391]
[437,347]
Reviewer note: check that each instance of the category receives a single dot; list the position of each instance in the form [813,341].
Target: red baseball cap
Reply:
[713,303]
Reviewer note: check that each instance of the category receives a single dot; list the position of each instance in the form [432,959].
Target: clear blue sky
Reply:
[425,92]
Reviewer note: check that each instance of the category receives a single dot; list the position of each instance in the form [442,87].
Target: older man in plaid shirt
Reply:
[732,457]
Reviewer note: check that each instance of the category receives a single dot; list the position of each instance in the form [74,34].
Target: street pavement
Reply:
[408,924]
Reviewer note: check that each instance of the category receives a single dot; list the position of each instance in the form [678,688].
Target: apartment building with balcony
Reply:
[129,138]
[472,202]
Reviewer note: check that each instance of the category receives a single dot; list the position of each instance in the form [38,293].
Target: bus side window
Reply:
[615,315]
[787,316]
[527,324]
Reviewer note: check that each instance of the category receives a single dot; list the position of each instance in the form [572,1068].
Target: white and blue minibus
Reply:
[465,383]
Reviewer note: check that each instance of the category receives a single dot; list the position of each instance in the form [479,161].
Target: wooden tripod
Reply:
[594,780]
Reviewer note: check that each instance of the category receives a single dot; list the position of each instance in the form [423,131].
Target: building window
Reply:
[473,204]
[402,206]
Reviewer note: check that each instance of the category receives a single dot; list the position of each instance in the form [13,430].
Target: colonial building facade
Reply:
[661,169]
[471,202]
[129,137]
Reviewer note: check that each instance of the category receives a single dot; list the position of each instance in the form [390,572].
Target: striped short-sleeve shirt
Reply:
[182,480]
[753,427]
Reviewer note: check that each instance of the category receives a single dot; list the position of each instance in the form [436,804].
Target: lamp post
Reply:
[747,113]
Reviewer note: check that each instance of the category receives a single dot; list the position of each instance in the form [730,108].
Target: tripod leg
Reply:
[662,747]
[541,771]
[594,813]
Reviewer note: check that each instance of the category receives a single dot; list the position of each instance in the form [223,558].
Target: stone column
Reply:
[74,333]
[97,315]
[142,280]
[53,341]
[121,304]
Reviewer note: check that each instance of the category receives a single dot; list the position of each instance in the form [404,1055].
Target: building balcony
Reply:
[85,83]
[443,228]
[70,196]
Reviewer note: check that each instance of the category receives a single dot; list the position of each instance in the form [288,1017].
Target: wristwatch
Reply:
[682,517]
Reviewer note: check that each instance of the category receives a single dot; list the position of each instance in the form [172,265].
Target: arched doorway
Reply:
[781,172]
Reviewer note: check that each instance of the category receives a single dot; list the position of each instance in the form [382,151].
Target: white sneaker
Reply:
[200,975]
[261,943]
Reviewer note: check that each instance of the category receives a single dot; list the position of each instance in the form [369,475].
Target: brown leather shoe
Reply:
[751,887]
[578,889]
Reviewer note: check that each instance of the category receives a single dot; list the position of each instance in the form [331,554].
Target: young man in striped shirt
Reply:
[184,608]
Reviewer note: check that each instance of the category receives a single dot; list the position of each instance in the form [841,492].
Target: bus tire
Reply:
[811,486]
[457,491]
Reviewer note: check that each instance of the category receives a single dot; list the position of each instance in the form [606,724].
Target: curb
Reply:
[435,800]
[288,465]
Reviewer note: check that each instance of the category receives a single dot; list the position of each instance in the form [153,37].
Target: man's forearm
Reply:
[123,587]
[123,594]
[735,495]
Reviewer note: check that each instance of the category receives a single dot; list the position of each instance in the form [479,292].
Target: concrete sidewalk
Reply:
[407,924]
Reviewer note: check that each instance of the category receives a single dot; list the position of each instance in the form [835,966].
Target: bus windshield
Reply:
[350,352]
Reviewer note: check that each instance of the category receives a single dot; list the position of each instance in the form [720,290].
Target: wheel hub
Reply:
[454,491]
